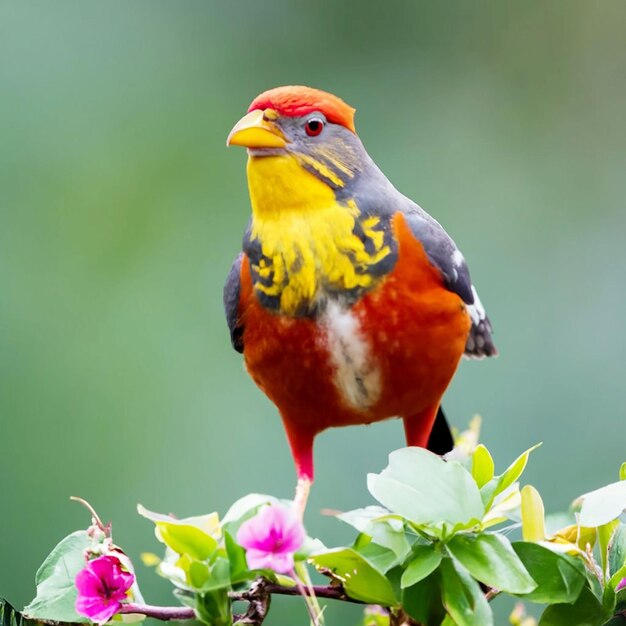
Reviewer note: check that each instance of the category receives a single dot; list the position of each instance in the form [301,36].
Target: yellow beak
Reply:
[254,130]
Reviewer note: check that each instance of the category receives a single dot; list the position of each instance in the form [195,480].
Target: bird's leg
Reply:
[417,427]
[303,488]
[301,444]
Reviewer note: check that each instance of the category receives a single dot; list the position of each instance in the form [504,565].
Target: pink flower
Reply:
[102,586]
[621,585]
[271,538]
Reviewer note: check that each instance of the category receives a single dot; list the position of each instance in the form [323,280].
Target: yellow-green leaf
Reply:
[209,523]
[498,484]
[578,536]
[483,467]
[194,536]
[533,515]
[508,503]
[187,540]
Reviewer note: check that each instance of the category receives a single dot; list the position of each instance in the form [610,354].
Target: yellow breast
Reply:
[308,243]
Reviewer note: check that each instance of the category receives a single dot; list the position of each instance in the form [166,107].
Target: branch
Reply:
[164,613]
[330,592]
[256,596]
[259,598]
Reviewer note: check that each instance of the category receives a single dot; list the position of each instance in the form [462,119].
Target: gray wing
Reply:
[444,255]
[232,289]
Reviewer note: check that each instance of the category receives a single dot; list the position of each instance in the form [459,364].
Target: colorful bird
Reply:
[349,302]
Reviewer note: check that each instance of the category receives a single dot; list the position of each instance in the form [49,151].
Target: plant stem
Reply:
[106,529]
[310,599]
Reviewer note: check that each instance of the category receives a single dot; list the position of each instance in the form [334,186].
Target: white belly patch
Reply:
[357,375]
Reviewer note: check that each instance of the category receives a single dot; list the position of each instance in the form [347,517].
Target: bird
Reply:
[349,303]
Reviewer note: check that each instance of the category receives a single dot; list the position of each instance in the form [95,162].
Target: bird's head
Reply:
[313,128]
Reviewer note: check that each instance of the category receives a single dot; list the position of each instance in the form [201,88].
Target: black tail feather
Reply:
[440,440]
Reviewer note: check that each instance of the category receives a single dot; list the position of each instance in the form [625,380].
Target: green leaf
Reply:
[559,578]
[197,574]
[239,571]
[611,598]
[463,598]
[622,471]
[490,559]
[605,537]
[483,467]
[245,508]
[381,558]
[361,580]
[385,530]
[204,577]
[422,601]
[185,597]
[499,483]
[213,608]
[603,505]
[424,561]
[533,515]
[56,592]
[608,600]
[617,577]
[219,575]
[426,490]
[617,551]
[586,611]
[620,604]
[361,519]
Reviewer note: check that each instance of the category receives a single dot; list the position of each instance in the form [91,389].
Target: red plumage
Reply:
[417,330]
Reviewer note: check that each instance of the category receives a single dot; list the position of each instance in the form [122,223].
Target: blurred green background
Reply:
[121,211]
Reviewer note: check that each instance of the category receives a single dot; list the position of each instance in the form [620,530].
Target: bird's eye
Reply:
[314,127]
